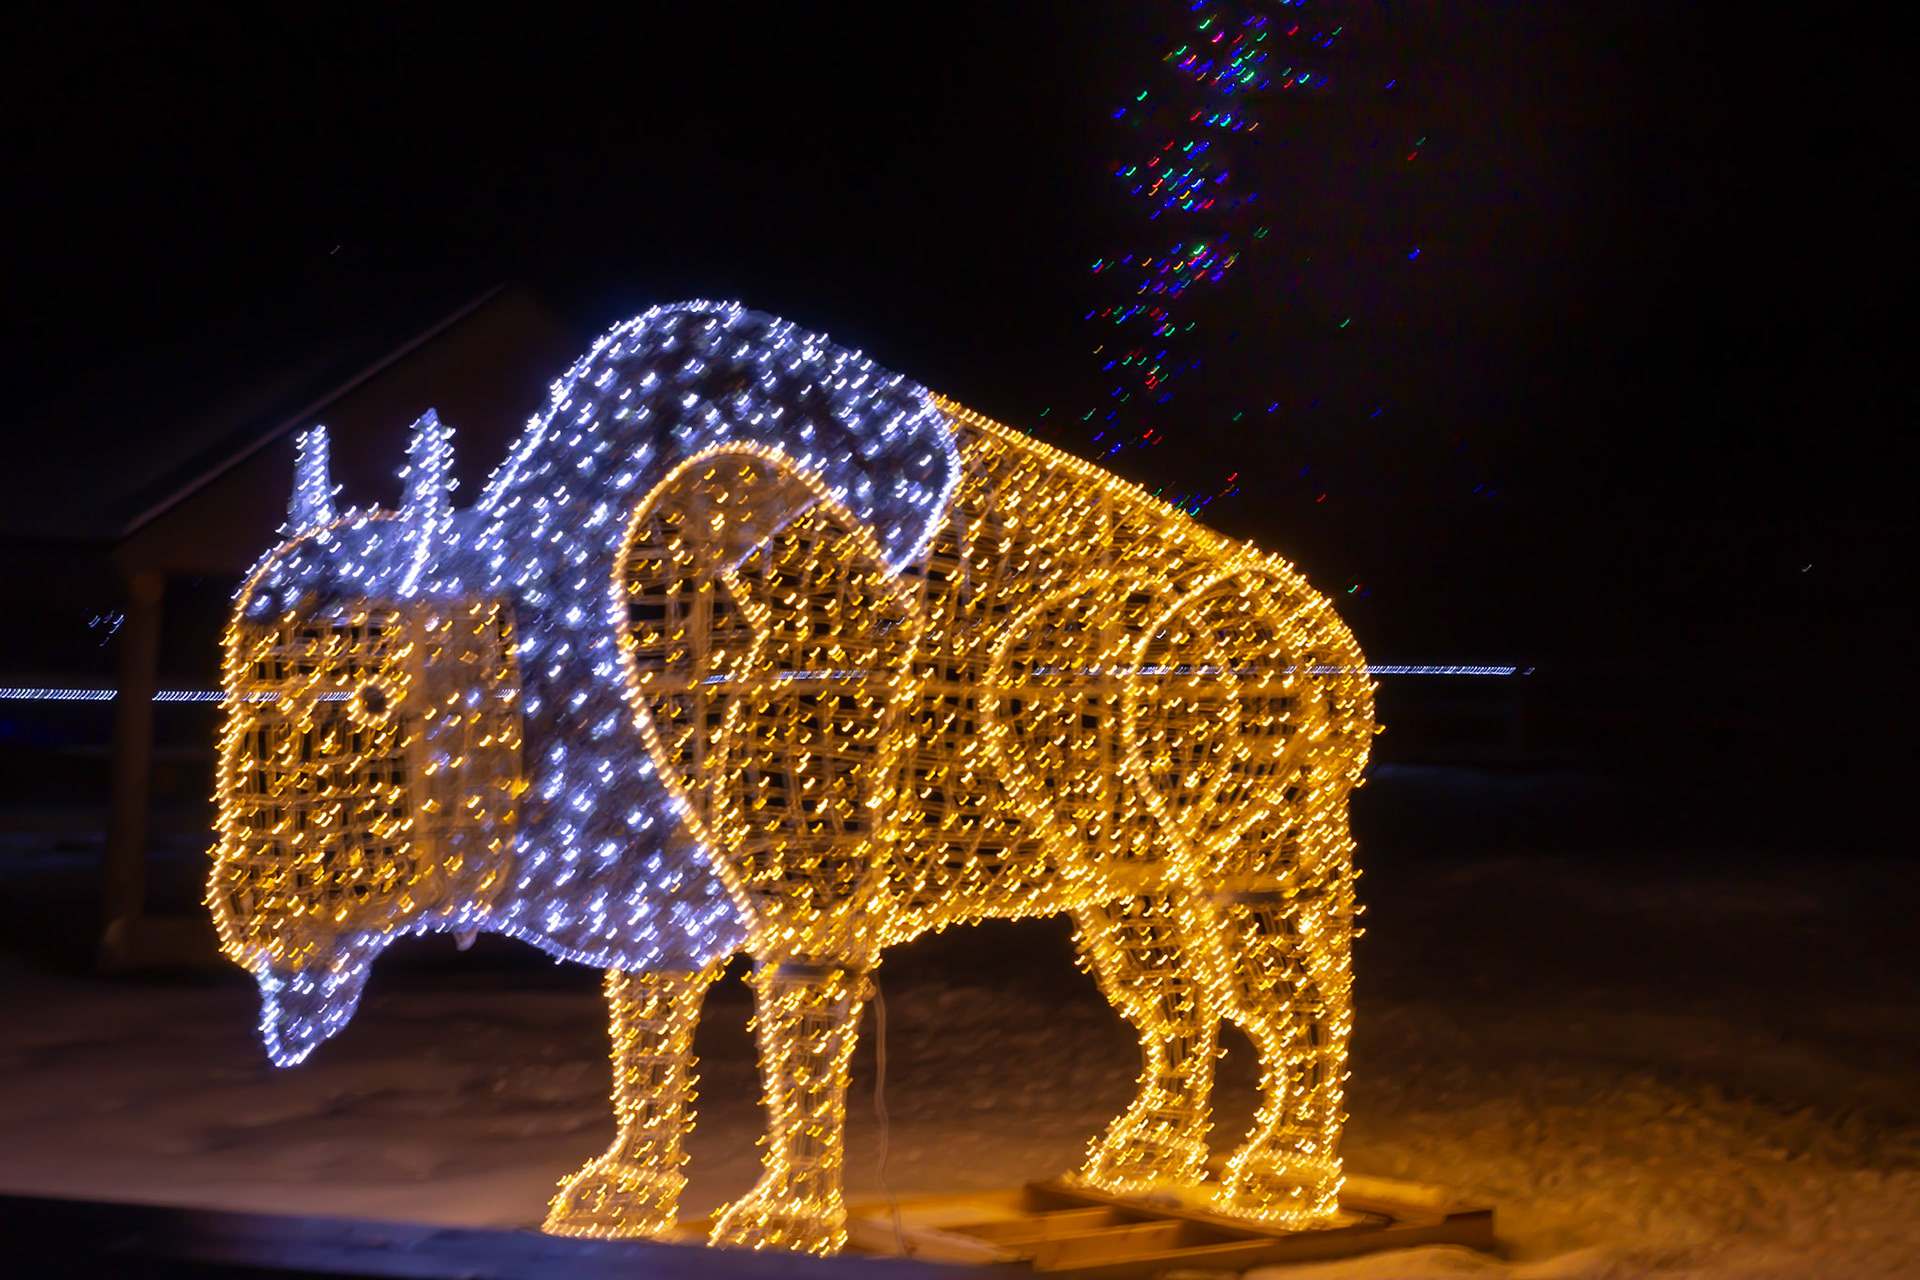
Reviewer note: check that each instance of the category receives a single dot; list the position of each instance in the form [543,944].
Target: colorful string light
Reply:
[1203,167]
[1189,164]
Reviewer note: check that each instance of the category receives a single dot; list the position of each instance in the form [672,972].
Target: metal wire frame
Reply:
[1079,701]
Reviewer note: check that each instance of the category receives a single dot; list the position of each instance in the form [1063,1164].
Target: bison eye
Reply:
[374,700]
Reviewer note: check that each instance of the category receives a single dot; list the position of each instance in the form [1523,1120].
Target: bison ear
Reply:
[429,485]
[312,504]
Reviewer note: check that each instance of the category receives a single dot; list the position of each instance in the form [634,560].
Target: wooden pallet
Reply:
[1094,1235]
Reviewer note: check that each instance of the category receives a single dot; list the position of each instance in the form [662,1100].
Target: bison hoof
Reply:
[1279,1191]
[614,1197]
[760,1221]
[1139,1152]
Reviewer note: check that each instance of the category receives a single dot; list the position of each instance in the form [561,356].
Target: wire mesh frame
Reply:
[1080,701]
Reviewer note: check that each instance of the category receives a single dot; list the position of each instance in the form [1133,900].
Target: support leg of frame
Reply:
[1138,953]
[807,1018]
[633,1189]
[1286,977]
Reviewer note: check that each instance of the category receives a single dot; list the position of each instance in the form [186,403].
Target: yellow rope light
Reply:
[1081,701]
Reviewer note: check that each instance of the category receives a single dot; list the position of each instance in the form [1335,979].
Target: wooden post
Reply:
[131,766]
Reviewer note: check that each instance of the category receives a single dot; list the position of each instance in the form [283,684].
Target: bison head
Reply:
[428,724]
[370,759]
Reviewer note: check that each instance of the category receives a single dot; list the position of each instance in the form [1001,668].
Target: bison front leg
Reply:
[634,1188]
[1145,965]
[807,1018]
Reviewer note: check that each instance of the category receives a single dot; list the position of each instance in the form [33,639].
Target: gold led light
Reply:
[368,772]
[1077,700]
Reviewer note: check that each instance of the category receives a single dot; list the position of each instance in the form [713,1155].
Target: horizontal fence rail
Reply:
[55,693]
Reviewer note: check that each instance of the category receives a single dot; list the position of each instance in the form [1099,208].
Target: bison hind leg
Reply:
[633,1188]
[1286,981]
[1140,952]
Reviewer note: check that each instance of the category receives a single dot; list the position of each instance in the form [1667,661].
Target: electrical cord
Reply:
[880,1110]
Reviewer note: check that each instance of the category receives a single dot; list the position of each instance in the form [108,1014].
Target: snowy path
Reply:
[1649,1071]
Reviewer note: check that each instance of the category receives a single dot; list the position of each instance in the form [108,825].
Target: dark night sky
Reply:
[1655,304]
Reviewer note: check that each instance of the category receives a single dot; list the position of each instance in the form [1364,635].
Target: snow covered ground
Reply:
[1660,1064]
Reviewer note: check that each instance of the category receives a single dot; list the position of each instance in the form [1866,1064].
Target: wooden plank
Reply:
[1162,1238]
[1401,1201]
[1014,1202]
[1043,1226]
[1169,1208]
[1088,1248]
[1473,1229]
[968,1227]
[925,1244]
[1253,1244]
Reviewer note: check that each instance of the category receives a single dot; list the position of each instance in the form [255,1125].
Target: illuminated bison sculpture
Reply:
[751,645]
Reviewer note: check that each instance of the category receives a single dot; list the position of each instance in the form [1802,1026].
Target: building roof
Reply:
[69,491]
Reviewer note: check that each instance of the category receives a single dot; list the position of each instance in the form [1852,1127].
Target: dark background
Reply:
[1663,256]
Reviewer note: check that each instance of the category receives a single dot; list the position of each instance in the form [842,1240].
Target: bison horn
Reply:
[429,459]
[426,508]
[312,504]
